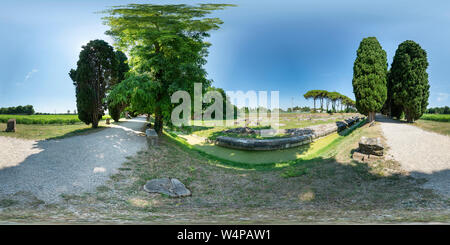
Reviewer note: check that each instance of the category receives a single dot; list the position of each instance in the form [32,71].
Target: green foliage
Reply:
[313,94]
[439,110]
[369,76]
[227,105]
[166,45]
[115,109]
[436,117]
[410,88]
[96,71]
[19,110]
[334,97]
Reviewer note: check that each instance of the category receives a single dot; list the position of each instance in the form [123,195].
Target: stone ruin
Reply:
[370,149]
[371,146]
[152,137]
[295,137]
[243,131]
[11,125]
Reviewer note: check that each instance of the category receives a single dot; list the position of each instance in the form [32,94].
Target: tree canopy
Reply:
[18,110]
[333,97]
[115,109]
[94,74]
[369,77]
[167,51]
[409,80]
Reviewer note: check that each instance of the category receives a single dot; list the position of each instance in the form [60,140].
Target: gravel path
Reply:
[424,154]
[47,169]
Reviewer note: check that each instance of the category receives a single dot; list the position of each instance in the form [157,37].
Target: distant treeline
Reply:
[439,110]
[338,101]
[19,110]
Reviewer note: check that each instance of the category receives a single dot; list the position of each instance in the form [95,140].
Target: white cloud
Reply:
[30,74]
[442,96]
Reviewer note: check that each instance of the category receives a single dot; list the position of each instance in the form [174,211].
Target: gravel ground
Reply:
[423,154]
[47,169]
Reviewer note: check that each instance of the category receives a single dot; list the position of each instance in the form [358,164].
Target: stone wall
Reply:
[296,137]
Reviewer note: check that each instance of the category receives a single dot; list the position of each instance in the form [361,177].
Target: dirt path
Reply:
[47,169]
[424,154]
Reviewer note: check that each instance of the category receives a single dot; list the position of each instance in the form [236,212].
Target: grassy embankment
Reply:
[438,123]
[42,127]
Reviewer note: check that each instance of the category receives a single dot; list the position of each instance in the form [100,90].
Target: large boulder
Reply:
[11,125]
[371,146]
[166,186]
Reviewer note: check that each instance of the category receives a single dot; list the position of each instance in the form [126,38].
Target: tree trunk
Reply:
[94,120]
[371,116]
[314,105]
[159,124]
[409,118]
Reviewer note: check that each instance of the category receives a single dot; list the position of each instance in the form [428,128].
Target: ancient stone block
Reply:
[371,146]
[152,137]
[297,137]
[11,125]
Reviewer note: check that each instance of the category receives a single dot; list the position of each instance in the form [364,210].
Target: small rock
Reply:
[108,121]
[371,146]
[11,125]
[170,187]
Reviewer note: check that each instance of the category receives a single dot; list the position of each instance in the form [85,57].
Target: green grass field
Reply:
[436,117]
[50,131]
[43,119]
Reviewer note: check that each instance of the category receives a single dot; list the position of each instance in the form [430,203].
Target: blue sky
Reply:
[287,45]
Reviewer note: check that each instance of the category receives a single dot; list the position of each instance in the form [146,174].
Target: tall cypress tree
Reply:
[369,77]
[95,70]
[121,69]
[410,88]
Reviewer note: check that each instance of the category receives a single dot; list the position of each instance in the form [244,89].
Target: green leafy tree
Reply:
[167,50]
[334,97]
[322,96]
[313,94]
[122,68]
[409,79]
[95,70]
[369,77]
[390,108]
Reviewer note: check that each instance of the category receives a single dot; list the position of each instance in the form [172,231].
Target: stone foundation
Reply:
[297,137]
